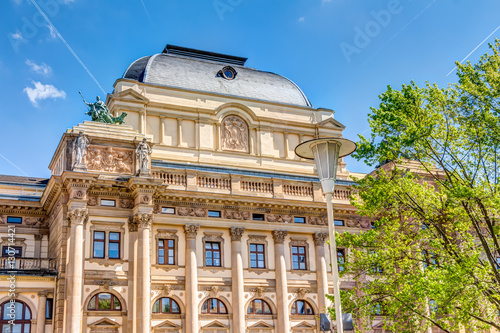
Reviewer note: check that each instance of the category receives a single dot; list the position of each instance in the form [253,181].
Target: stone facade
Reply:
[222,230]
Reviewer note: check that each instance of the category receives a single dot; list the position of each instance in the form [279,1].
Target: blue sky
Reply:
[342,53]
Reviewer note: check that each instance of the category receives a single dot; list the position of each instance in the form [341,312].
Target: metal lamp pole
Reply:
[326,153]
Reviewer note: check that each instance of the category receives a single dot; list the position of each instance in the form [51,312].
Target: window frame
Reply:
[264,302]
[257,252]
[219,301]
[119,242]
[341,265]
[23,321]
[96,297]
[166,249]
[103,241]
[299,255]
[5,251]
[212,251]
[339,223]
[171,300]
[306,305]
[15,217]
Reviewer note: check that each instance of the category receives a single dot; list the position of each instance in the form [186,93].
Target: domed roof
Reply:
[206,71]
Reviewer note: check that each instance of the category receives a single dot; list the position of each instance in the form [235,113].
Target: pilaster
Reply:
[191,231]
[237,280]
[281,282]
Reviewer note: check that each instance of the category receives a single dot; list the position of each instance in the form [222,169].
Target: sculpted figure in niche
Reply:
[234,134]
[80,149]
[142,153]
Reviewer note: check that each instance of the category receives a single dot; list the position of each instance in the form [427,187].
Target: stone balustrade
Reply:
[28,264]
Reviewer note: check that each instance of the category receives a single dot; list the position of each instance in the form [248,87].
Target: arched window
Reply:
[213,306]
[166,305]
[259,306]
[104,302]
[302,308]
[17,311]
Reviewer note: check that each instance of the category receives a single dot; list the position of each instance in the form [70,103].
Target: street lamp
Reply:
[326,153]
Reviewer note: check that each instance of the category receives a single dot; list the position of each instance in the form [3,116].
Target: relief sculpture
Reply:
[234,134]
[109,160]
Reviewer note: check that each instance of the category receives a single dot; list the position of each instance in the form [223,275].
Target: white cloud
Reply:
[40,69]
[53,32]
[17,35]
[302,19]
[43,91]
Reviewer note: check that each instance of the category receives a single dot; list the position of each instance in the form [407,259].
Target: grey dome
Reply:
[197,71]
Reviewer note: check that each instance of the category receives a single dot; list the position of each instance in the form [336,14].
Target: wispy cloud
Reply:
[302,19]
[17,2]
[17,35]
[40,69]
[53,33]
[43,91]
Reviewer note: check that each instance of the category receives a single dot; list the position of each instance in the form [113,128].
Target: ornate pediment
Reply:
[104,323]
[331,123]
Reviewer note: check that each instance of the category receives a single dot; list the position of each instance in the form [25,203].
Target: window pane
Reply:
[171,252]
[260,257]
[301,249]
[171,243]
[116,304]
[252,247]
[208,262]
[215,246]
[216,255]
[27,313]
[213,305]
[98,249]
[222,308]
[208,245]
[175,307]
[99,235]
[267,309]
[114,236]
[104,302]
[165,302]
[204,307]
[156,306]
[258,306]
[171,261]
[92,303]
[160,243]
[217,262]
[260,247]
[114,250]
[300,307]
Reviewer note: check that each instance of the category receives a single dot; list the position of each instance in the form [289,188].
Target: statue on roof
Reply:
[99,112]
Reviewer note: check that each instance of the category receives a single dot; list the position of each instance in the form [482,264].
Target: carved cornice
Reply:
[320,238]
[279,236]
[191,230]
[143,220]
[78,216]
[236,233]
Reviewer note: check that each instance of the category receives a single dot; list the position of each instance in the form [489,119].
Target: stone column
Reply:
[281,283]
[191,279]
[143,222]
[321,269]
[42,308]
[77,218]
[132,276]
[237,279]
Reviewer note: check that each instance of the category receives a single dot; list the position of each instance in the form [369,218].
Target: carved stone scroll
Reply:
[110,159]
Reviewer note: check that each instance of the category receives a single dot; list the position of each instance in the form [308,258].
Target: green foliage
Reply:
[431,259]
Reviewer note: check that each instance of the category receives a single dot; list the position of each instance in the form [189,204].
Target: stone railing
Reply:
[255,186]
[248,185]
[170,178]
[28,264]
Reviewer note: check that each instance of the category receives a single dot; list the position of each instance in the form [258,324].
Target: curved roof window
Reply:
[228,72]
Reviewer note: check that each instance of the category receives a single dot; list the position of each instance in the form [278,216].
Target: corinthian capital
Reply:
[279,236]
[236,233]
[78,216]
[320,238]
[143,220]
[191,230]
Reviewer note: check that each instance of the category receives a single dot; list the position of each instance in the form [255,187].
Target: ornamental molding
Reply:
[279,236]
[191,230]
[237,215]
[236,233]
[279,218]
[143,220]
[78,216]
[320,238]
[196,212]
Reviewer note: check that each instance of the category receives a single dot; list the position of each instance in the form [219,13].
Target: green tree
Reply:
[432,256]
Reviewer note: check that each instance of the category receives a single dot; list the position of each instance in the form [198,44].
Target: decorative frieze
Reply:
[110,159]
[186,211]
[236,215]
[279,218]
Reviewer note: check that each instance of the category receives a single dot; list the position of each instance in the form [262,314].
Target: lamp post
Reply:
[326,153]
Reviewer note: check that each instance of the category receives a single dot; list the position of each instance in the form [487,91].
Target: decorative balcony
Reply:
[28,266]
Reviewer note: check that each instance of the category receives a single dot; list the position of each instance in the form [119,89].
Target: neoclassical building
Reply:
[195,215]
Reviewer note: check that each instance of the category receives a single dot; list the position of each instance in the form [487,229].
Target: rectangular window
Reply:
[375,267]
[338,223]
[49,308]
[114,245]
[341,259]
[299,219]
[257,256]
[212,254]
[14,219]
[99,242]
[108,203]
[167,210]
[12,251]
[166,252]
[258,217]
[299,258]
[214,213]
